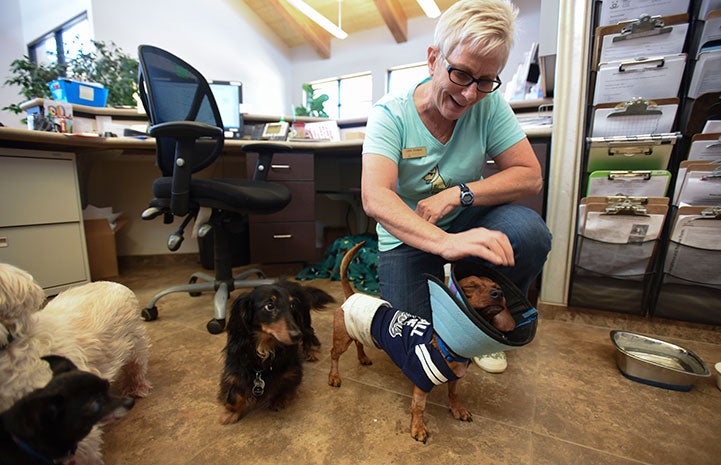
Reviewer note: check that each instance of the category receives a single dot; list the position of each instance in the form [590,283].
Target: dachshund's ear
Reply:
[241,316]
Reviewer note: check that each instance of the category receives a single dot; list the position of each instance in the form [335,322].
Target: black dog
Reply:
[266,330]
[45,426]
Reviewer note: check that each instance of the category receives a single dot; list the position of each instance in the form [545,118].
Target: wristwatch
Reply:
[467,196]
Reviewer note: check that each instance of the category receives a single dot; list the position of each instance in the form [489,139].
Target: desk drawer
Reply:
[286,166]
[283,242]
[300,208]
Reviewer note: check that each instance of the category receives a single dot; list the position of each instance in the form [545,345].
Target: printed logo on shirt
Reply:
[400,319]
[434,178]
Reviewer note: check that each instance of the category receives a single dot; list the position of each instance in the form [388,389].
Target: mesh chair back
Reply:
[172,90]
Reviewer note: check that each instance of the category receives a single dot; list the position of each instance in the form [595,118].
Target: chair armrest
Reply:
[176,129]
[265,151]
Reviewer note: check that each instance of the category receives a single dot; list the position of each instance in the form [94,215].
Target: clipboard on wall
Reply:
[644,152]
[616,11]
[711,29]
[652,183]
[706,7]
[701,185]
[683,169]
[705,147]
[636,116]
[695,242]
[706,73]
[650,78]
[642,37]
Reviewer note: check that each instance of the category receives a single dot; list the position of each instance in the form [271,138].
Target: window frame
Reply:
[337,112]
[57,34]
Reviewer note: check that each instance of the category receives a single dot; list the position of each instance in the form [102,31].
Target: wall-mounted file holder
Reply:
[705,147]
[642,152]
[634,117]
[614,11]
[649,183]
[615,250]
[690,289]
[711,28]
[643,37]
[650,78]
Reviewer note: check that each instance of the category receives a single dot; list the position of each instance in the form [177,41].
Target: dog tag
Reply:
[258,385]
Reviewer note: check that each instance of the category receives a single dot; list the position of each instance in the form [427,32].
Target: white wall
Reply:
[376,51]
[226,41]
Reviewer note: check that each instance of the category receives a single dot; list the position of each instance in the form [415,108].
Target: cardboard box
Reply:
[102,251]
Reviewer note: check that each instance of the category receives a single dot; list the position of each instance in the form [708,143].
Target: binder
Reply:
[650,78]
[706,73]
[636,116]
[643,152]
[705,147]
[653,183]
[615,11]
[643,37]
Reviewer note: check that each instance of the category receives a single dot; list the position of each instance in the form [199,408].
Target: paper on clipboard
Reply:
[695,228]
[695,232]
[701,186]
[703,109]
[649,78]
[621,243]
[711,29]
[706,73]
[637,116]
[615,11]
[706,7]
[705,147]
[652,183]
[621,46]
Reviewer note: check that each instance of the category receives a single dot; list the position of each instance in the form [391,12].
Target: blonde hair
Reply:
[486,26]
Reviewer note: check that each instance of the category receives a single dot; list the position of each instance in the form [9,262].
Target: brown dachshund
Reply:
[410,341]
[486,297]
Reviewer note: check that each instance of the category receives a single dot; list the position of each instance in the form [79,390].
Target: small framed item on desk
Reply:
[275,131]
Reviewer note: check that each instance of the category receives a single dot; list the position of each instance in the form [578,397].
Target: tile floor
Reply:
[561,401]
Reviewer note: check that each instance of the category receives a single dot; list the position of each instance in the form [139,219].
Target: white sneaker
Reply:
[492,363]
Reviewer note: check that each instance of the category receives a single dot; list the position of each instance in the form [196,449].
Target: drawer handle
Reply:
[3,242]
[280,167]
[282,236]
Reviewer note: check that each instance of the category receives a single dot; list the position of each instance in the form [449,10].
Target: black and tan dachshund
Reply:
[269,335]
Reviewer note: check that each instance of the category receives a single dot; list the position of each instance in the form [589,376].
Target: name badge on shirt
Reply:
[414,152]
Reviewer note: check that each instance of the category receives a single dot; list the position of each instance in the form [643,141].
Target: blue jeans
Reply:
[401,270]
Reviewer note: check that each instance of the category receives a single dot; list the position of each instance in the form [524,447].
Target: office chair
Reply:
[188,130]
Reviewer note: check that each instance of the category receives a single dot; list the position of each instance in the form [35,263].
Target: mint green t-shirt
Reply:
[394,126]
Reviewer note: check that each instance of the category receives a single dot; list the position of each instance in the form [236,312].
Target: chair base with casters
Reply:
[223,283]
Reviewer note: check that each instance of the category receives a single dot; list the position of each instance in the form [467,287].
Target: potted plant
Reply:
[107,65]
[313,104]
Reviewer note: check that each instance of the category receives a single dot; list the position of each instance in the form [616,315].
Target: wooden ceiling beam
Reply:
[317,37]
[395,18]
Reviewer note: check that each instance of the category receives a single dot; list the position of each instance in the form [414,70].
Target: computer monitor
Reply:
[229,95]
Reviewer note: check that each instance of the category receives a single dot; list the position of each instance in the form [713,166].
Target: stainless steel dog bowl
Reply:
[657,363]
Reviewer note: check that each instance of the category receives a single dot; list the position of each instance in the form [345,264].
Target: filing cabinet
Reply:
[290,234]
[41,227]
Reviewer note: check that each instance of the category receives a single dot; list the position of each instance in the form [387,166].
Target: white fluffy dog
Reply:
[97,326]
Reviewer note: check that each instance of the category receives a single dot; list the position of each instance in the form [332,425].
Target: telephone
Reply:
[275,131]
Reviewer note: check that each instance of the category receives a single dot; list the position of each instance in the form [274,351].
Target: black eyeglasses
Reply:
[462,78]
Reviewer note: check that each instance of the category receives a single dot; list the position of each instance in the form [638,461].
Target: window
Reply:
[63,43]
[348,96]
[402,77]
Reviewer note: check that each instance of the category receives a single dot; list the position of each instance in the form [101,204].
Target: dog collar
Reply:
[447,354]
[35,454]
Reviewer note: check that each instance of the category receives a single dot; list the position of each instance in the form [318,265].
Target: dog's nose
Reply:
[496,294]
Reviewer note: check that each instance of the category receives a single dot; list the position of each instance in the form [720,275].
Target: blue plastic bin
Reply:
[82,93]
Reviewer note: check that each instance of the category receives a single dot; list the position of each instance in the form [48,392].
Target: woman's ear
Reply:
[433,54]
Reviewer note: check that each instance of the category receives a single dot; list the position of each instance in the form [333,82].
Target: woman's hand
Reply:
[489,245]
[435,207]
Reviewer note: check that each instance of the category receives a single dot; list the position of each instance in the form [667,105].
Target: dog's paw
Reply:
[461,413]
[420,434]
[229,417]
[334,380]
[365,360]
[311,355]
